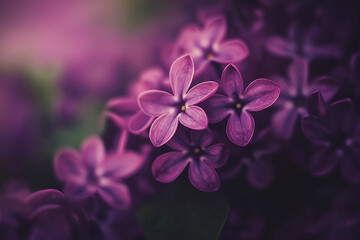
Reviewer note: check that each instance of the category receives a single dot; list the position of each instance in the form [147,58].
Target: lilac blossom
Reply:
[292,100]
[338,136]
[237,103]
[181,106]
[208,44]
[93,171]
[198,153]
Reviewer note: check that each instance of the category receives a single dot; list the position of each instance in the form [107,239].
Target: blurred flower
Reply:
[237,103]
[198,153]
[94,172]
[170,109]
[206,45]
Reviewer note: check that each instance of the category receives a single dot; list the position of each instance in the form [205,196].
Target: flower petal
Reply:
[123,106]
[280,46]
[342,116]
[180,141]
[93,152]
[323,162]
[122,165]
[168,166]
[115,194]
[139,122]
[163,128]
[181,75]
[230,51]
[327,86]
[217,154]
[42,197]
[315,105]
[240,128]
[194,117]
[200,92]
[217,108]
[155,102]
[214,30]
[68,166]
[316,131]
[284,120]
[203,176]
[202,138]
[298,74]
[231,81]
[260,94]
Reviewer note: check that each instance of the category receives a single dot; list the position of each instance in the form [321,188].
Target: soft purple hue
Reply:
[294,94]
[198,153]
[94,171]
[338,136]
[237,103]
[170,109]
[208,44]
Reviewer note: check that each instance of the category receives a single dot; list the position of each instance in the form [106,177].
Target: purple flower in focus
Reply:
[237,102]
[207,44]
[198,153]
[170,109]
[338,136]
[294,94]
[92,171]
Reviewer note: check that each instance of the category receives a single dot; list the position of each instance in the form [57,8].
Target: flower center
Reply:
[183,108]
[300,101]
[196,150]
[238,105]
[210,56]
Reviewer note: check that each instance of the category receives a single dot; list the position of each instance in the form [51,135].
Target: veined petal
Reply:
[231,81]
[155,102]
[323,162]
[202,138]
[230,51]
[203,176]
[163,128]
[217,154]
[240,128]
[280,46]
[68,166]
[316,131]
[217,108]
[139,122]
[200,92]
[168,166]
[260,94]
[194,117]
[214,31]
[115,194]
[181,75]
[93,152]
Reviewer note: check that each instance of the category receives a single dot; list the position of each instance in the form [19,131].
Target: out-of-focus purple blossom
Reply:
[301,46]
[198,153]
[338,136]
[237,102]
[294,94]
[208,44]
[181,106]
[93,171]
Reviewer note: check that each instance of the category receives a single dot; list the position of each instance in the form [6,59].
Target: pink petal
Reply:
[115,194]
[200,92]
[42,197]
[280,47]
[122,165]
[167,167]
[316,130]
[298,74]
[217,108]
[203,177]
[93,152]
[284,120]
[202,138]
[68,166]
[231,51]
[323,162]
[214,30]
[315,105]
[180,141]
[121,122]
[155,102]
[194,117]
[217,154]
[139,122]
[163,128]
[181,75]
[231,81]
[260,94]
[326,86]
[123,106]
[240,129]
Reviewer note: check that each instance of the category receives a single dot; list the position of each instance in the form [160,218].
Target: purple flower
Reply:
[198,153]
[338,136]
[294,94]
[237,103]
[207,44]
[93,171]
[170,109]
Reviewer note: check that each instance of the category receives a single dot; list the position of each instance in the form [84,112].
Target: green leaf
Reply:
[180,211]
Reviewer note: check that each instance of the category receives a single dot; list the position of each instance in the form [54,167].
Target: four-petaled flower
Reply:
[170,109]
[237,103]
[206,45]
[93,171]
[198,153]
